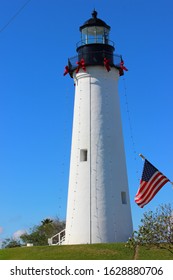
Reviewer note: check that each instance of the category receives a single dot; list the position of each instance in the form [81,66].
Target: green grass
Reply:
[69,252]
[114,251]
[153,253]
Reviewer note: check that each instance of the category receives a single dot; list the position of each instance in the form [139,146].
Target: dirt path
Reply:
[136,253]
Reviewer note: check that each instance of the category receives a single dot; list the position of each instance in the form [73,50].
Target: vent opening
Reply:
[83,155]
[123,198]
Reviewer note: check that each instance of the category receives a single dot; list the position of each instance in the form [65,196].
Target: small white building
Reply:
[98,208]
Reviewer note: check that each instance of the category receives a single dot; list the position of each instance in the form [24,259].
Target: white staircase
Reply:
[57,239]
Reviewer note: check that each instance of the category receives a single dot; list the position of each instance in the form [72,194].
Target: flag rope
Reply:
[130,128]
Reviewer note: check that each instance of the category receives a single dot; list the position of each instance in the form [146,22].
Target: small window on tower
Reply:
[123,198]
[83,155]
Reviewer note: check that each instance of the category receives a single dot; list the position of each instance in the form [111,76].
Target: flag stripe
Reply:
[144,186]
[150,189]
[152,193]
[151,182]
[149,185]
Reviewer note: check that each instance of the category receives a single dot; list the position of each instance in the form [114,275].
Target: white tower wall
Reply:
[98,208]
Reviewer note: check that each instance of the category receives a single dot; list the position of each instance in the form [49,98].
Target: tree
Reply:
[156,228]
[39,234]
[10,243]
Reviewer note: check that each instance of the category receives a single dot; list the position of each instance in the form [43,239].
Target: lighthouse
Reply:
[98,205]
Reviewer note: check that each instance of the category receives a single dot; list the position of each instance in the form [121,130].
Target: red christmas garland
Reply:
[122,68]
[81,64]
[66,70]
[106,64]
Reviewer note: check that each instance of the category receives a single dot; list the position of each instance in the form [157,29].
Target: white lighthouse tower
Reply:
[98,207]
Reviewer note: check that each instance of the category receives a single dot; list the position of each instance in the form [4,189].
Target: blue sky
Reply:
[36,101]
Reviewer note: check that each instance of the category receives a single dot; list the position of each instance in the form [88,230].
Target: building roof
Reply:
[94,21]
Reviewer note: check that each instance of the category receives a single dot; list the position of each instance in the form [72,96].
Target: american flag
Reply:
[151,182]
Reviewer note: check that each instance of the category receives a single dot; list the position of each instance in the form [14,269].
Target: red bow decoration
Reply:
[122,68]
[81,64]
[66,70]
[106,64]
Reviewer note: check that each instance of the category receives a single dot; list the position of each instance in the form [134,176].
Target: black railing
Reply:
[95,58]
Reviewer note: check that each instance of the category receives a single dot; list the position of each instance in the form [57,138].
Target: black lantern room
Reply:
[94,31]
[95,47]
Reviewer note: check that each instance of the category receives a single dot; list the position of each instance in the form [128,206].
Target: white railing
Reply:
[57,239]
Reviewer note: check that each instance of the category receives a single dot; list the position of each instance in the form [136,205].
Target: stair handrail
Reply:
[60,239]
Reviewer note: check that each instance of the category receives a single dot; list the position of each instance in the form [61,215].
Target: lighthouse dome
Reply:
[94,21]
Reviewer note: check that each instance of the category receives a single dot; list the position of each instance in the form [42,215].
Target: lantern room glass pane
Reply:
[94,35]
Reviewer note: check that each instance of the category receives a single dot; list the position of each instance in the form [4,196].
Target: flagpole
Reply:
[142,156]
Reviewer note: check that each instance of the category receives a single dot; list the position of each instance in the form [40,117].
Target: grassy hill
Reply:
[114,251]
